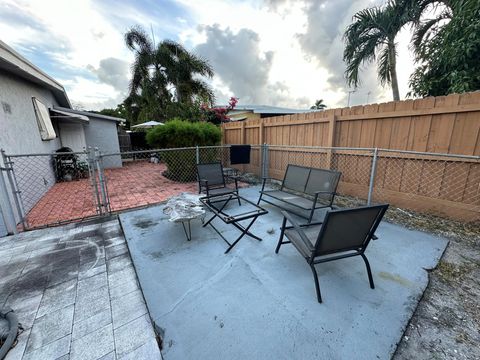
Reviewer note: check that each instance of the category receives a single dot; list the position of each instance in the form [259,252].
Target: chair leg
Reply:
[238,198]
[367,264]
[284,223]
[311,215]
[317,285]
[260,198]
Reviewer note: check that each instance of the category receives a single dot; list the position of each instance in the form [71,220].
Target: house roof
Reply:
[267,109]
[89,114]
[14,63]
[68,116]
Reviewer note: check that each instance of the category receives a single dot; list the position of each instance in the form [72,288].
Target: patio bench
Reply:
[305,188]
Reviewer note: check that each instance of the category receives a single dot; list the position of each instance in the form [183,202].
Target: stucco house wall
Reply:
[3,228]
[18,116]
[20,81]
[103,134]
[34,174]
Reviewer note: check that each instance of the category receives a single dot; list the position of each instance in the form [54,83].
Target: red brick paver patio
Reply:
[135,184]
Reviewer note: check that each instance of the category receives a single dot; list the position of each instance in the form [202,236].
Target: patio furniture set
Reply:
[343,233]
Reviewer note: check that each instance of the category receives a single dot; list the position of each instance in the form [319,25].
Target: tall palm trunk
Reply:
[393,71]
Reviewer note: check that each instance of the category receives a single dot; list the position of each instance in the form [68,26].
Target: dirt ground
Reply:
[446,323]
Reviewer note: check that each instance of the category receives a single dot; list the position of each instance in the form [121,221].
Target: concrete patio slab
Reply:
[253,303]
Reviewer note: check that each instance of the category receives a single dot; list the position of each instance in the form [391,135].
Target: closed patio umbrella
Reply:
[147,125]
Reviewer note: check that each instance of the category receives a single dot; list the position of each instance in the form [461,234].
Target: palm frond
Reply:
[137,40]
[383,63]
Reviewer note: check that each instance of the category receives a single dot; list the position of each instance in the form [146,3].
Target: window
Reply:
[43,120]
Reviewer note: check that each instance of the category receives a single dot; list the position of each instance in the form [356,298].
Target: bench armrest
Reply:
[264,180]
[324,192]
[333,193]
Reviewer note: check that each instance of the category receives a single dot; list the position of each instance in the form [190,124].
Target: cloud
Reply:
[114,72]
[327,21]
[240,64]
[237,60]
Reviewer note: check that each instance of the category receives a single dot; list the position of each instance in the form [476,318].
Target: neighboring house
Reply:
[36,117]
[248,112]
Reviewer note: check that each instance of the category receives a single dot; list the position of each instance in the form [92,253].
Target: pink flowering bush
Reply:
[218,115]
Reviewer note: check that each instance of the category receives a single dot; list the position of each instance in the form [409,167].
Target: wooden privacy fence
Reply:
[409,171]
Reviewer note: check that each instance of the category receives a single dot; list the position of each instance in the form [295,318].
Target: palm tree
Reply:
[425,29]
[184,69]
[372,37]
[164,73]
[319,105]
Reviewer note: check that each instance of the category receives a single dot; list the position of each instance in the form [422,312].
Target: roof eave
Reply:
[13,62]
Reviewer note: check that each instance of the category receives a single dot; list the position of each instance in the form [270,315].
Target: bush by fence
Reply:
[180,134]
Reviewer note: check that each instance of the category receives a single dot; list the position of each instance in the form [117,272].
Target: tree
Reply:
[372,37]
[425,29]
[218,114]
[120,112]
[319,105]
[448,52]
[163,74]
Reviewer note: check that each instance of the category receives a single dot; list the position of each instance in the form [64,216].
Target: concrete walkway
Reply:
[254,304]
[76,294]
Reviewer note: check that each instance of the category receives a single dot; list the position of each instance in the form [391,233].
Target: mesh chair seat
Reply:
[305,248]
[221,191]
[290,198]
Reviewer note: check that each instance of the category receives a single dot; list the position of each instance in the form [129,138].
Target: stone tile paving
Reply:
[76,294]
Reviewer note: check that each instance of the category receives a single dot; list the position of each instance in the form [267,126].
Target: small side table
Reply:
[183,209]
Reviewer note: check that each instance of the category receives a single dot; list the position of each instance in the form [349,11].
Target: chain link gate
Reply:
[53,188]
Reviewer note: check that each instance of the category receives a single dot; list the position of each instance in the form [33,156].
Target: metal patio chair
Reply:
[342,234]
[211,180]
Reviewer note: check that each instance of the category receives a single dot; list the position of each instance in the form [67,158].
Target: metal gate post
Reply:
[101,180]
[197,154]
[372,176]
[15,189]
[8,214]
[93,180]
[264,160]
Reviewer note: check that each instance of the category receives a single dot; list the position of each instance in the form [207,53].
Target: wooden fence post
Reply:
[261,135]
[330,139]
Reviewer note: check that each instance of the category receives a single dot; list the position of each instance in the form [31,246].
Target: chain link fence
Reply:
[354,164]
[444,185]
[141,178]
[49,189]
[440,184]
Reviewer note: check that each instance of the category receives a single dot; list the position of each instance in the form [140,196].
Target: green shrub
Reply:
[181,164]
[178,133]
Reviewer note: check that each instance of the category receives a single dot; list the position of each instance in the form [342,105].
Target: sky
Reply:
[265,52]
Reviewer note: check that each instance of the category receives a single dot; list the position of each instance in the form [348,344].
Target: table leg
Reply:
[241,228]
[189,233]
[244,232]
[219,211]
